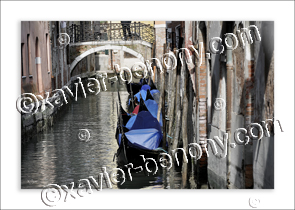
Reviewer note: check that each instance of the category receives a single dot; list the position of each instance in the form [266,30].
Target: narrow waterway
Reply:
[56,156]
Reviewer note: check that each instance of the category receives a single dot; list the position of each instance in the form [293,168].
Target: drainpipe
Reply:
[229,89]
[111,52]
[61,51]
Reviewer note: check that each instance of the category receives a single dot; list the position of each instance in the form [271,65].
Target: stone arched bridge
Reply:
[139,49]
[89,38]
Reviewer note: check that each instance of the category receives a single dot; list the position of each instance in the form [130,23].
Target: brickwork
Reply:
[249,97]
[160,40]
[249,116]
[249,176]
[160,34]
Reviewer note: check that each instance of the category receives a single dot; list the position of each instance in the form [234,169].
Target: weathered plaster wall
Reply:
[263,150]
[251,165]
[35,81]
[216,165]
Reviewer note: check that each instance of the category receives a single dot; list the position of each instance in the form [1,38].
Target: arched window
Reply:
[37,50]
[29,56]
[23,60]
[48,53]
[38,65]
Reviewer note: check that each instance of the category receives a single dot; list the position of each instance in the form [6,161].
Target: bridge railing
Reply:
[89,31]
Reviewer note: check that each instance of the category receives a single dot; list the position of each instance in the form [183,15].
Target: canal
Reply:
[56,156]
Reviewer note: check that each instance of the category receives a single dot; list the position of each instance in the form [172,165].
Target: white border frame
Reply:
[281,12]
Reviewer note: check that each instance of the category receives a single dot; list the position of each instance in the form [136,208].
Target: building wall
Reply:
[145,22]
[60,61]
[36,72]
[243,78]
[216,127]
[52,73]
[202,97]
[251,98]
[160,34]
[263,150]
[87,64]
[174,32]
[101,62]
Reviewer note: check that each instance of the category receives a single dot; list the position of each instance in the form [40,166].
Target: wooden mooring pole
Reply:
[161,107]
[172,90]
[184,79]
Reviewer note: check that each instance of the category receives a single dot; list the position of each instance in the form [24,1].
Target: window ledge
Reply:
[24,77]
[30,76]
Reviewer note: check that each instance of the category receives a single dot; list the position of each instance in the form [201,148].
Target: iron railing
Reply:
[96,31]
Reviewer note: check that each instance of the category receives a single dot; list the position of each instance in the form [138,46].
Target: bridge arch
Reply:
[102,48]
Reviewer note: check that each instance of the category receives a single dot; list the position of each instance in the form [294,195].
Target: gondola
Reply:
[147,93]
[133,155]
[133,88]
[141,135]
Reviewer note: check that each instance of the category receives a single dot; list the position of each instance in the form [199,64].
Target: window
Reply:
[38,64]
[48,53]
[56,32]
[29,56]
[22,60]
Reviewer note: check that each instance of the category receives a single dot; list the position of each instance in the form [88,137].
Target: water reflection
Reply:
[56,156]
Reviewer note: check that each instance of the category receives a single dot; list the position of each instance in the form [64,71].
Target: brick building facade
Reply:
[242,77]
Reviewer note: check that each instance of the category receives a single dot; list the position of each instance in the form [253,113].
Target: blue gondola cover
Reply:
[149,139]
[145,131]
[131,122]
[143,95]
[155,94]
[145,87]
[145,120]
[152,106]
[154,91]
